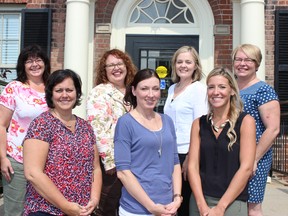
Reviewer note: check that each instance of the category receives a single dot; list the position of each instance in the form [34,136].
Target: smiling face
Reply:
[64,95]
[185,65]
[219,92]
[244,66]
[147,93]
[116,70]
[34,68]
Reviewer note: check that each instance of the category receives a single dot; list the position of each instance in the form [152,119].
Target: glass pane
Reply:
[154,53]
[143,63]
[143,53]
[179,18]
[151,11]
[10,52]
[11,27]
[189,16]
[173,11]
[179,3]
[162,20]
[161,8]
[135,16]
[144,19]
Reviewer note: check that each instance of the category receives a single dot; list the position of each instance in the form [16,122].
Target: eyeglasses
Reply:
[31,61]
[246,60]
[112,66]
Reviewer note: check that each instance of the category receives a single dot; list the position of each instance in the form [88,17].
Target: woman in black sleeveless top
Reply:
[222,151]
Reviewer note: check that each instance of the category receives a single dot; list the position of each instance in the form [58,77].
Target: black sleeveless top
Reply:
[218,165]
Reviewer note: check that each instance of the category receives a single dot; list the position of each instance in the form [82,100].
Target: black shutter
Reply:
[36,28]
[281,60]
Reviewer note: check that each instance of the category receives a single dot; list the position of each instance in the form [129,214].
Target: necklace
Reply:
[159,141]
[217,128]
[66,123]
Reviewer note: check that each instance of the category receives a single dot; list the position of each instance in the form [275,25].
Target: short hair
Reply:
[252,51]
[32,51]
[197,75]
[57,77]
[101,74]
[129,98]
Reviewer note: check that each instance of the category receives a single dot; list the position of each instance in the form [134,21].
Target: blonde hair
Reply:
[236,105]
[197,75]
[252,51]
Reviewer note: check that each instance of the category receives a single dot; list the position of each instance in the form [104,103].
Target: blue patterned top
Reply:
[255,96]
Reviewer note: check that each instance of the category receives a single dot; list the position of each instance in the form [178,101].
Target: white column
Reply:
[253,28]
[76,44]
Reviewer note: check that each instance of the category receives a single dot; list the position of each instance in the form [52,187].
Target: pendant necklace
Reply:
[159,141]
[63,121]
[217,128]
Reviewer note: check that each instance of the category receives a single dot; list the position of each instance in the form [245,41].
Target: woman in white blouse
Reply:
[186,101]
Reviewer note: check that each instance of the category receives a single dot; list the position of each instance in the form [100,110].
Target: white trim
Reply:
[203,26]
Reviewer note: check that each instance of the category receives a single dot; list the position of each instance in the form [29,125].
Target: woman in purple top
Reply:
[60,155]
[146,154]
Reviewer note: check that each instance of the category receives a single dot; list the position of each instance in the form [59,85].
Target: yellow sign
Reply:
[162,71]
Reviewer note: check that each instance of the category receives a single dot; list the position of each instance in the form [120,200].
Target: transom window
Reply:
[162,12]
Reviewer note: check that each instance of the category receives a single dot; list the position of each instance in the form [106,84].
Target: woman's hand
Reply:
[6,169]
[74,209]
[89,208]
[216,211]
[173,206]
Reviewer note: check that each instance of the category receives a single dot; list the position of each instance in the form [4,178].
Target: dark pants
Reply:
[186,192]
[110,195]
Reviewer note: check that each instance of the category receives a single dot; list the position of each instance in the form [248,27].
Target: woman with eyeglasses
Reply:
[260,101]
[115,71]
[20,102]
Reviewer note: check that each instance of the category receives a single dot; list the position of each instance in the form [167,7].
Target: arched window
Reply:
[161,11]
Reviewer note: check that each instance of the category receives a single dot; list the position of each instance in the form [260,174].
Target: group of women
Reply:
[144,163]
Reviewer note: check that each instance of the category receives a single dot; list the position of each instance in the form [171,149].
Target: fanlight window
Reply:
[162,11]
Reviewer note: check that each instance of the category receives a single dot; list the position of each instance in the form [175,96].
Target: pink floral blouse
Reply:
[26,104]
[104,107]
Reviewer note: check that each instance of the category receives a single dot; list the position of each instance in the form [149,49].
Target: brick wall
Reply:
[222,10]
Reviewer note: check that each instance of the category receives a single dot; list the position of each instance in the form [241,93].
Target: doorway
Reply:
[155,52]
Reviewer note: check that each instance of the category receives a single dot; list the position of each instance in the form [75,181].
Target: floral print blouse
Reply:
[104,107]
[26,104]
[69,162]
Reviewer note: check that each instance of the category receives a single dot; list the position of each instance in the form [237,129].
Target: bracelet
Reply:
[178,195]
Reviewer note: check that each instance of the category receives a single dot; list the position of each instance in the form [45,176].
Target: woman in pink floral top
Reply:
[20,102]
[60,156]
[104,106]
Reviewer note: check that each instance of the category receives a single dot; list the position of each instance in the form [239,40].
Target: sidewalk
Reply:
[275,200]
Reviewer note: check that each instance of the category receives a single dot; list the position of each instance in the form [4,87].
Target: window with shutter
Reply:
[36,25]
[281,60]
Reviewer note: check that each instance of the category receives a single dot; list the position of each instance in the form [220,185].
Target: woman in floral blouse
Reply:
[104,106]
[20,102]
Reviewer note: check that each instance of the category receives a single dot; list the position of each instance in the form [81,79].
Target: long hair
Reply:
[236,105]
[101,74]
[32,51]
[129,98]
[197,75]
